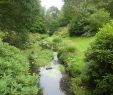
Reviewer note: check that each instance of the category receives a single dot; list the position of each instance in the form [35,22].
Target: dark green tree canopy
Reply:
[52,15]
[18,15]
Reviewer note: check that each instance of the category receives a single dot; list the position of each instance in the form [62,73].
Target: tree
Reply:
[97,20]
[52,19]
[107,4]
[72,8]
[19,16]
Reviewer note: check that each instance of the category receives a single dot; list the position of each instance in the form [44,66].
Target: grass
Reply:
[62,68]
[81,44]
[39,55]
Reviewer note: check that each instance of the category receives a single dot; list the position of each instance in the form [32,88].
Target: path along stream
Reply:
[50,77]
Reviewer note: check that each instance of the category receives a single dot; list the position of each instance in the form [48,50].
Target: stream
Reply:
[50,77]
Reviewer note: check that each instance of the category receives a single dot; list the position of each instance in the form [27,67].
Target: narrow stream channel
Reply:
[50,77]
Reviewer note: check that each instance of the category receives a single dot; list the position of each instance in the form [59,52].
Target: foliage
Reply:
[73,60]
[53,43]
[107,4]
[62,19]
[17,39]
[14,76]
[51,19]
[15,14]
[66,55]
[100,59]
[69,10]
[88,23]
[20,17]
[62,32]
[39,26]
[85,17]
[74,8]
[76,27]
[39,56]
[54,25]
[77,88]
[2,34]
[62,68]
[73,70]
[97,20]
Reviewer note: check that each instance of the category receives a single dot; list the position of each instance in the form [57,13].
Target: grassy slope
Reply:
[81,44]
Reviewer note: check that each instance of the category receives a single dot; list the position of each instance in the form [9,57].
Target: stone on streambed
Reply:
[48,68]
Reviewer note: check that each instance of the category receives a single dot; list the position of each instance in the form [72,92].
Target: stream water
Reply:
[50,77]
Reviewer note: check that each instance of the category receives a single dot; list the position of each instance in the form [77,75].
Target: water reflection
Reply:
[50,78]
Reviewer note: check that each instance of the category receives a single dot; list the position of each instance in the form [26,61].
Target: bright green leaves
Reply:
[14,76]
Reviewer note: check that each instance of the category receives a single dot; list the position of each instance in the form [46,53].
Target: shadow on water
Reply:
[40,92]
[65,85]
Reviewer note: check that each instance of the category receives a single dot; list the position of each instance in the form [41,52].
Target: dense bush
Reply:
[89,24]
[97,20]
[62,32]
[76,27]
[19,40]
[67,54]
[73,70]
[100,62]
[39,27]
[20,17]
[78,88]
[2,34]
[53,27]
[57,43]
[39,56]
[14,76]
[54,43]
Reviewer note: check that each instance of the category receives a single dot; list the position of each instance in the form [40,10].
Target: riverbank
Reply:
[71,54]
[73,62]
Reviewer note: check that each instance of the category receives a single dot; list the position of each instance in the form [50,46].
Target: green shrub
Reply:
[53,27]
[54,44]
[2,34]
[62,32]
[73,70]
[97,20]
[39,27]
[76,27]
[57,40]
[100,61]
[89,24]
[14,72]
[57,43]
[67,54]
[39,56]
[46,44]
[19,40]
[77,88]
